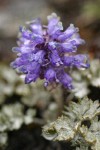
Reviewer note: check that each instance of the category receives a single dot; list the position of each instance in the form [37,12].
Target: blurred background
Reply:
[25,109]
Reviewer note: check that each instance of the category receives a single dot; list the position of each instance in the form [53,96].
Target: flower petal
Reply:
[50,75]
[54,25]
[65,79]
[30,78]
[77,61]
[36,26]
[68,32]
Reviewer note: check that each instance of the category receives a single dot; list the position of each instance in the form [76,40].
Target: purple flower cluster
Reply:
[46,51]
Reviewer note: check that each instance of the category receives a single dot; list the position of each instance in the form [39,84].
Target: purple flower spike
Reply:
[46,51]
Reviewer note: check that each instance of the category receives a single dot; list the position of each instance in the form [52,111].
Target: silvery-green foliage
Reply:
[12,117]
[8,80]
[30,95]
[79,143]
[36,94]
[82,79]
[51,113]
[71,127]
[3,140]
[13,114]
[92,134]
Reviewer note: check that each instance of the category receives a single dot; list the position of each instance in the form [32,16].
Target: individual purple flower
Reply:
[46,51]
